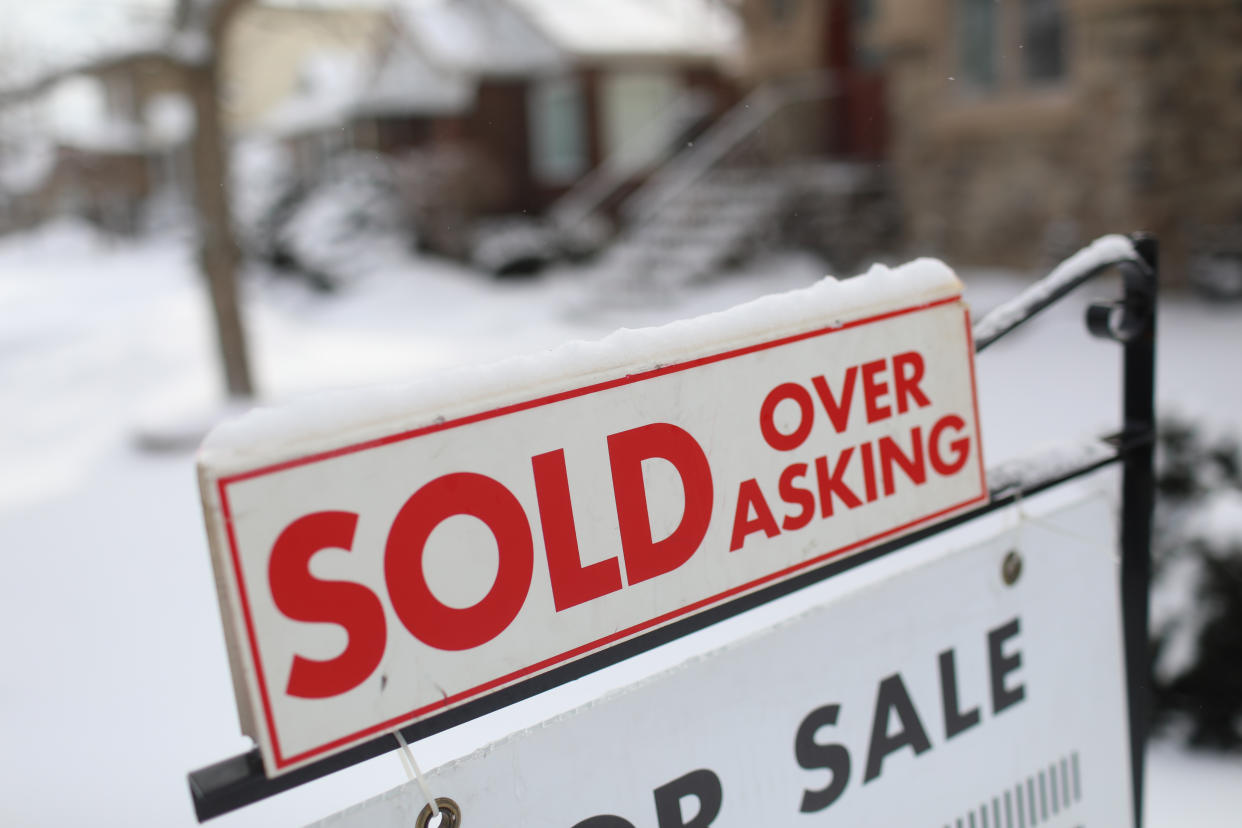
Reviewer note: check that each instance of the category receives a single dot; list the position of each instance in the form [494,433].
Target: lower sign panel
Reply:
[939,696]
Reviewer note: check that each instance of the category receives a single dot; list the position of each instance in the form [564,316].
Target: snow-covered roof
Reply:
[479,37]
[328,4]
[522,37]
[51,35]
[528,37]
[441,48]
[78,116]
[48,36]
[407,82]
[636,28]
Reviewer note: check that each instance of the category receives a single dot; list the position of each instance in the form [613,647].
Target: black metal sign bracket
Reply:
[1131,321]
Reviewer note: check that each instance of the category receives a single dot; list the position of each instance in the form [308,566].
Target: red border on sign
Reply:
[283,762]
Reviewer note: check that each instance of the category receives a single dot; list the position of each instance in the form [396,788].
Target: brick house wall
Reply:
[1141,130]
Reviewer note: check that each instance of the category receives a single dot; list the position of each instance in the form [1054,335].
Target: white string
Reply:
[405,763]
[1021,516]
[415,773]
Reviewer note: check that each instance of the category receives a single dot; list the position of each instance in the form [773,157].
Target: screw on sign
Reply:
[1011,567]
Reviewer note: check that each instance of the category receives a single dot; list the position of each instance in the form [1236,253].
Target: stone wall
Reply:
[783,38]
[1143,132]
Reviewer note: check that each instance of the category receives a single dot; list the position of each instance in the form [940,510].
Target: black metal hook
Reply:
[1126,319]
[1118,321]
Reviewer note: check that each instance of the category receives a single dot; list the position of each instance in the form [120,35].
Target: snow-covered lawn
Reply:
[115,680]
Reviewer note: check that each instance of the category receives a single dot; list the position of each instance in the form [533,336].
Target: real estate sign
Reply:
[386,558]
[960,691]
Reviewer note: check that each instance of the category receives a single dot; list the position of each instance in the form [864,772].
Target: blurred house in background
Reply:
[990,132]
[799,160]
[116,130]
[788,38]
[114,148]
[1016,130]
[1021,128]
[497,107]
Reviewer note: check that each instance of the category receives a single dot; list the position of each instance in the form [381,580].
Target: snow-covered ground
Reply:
[115,681]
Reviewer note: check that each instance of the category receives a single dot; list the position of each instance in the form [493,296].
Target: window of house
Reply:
[1042,44]
[862,15]
[632,101]
[1010,44]
[977,40]
[557,136]
[781,11]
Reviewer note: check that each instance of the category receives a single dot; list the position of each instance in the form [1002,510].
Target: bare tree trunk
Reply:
[202,25]
[218,252]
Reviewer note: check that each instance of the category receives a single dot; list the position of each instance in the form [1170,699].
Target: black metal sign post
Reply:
[1137,497]
[1131,321]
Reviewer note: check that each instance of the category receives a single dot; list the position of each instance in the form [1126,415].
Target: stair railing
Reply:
[586,196]
[735,127]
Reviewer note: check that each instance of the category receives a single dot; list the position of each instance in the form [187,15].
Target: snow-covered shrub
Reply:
[261,175]
[522,246]
[344,218]
[514,246]
[584,238]
[1197,583]
[1214,266]
[1217,275]
[330,229]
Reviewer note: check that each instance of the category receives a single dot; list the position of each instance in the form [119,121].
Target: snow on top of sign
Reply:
[335,419]
[1103,251]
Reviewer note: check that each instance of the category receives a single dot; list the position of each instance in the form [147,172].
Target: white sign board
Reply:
[937,696]
[403,563]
